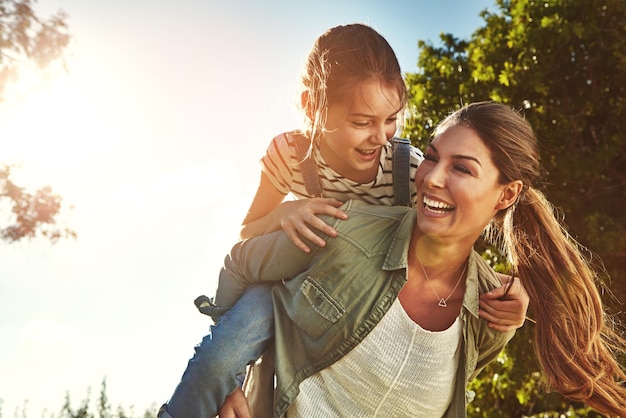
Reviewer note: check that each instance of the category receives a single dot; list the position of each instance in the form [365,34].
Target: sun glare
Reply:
[45,120]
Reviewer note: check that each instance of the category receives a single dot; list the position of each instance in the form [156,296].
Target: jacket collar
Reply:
[472,291]
[397,258]
[397,254]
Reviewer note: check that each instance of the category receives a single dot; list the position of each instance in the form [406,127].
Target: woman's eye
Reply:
[428,157]
[360,124]
[462,169]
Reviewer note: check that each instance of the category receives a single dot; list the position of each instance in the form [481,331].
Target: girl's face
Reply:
[357,128]
[458,188]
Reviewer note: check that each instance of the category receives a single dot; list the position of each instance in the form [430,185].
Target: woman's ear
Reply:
[510,194]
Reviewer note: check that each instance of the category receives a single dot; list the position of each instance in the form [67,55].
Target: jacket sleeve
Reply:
[267,258]
[490,348]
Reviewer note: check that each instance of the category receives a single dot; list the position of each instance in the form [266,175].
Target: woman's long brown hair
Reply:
[576,344]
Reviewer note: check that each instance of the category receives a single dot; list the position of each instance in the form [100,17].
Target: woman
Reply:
[399,332]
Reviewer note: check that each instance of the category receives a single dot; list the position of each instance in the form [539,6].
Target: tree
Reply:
[104,409]
[562,63]
[32,214]
[25,38]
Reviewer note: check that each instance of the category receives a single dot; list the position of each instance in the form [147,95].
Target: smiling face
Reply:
[357,128]
[458,188]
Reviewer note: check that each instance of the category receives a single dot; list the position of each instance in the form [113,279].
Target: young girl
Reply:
[353,95]
[360,329]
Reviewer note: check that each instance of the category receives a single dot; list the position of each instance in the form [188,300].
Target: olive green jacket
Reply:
[335,295]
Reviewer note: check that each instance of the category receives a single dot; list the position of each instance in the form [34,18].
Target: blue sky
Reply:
[153,136]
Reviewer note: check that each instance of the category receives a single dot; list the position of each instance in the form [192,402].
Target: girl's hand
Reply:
[505,307]
[235,406]
[298,218]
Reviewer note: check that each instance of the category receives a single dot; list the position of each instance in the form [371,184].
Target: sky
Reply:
[152,136]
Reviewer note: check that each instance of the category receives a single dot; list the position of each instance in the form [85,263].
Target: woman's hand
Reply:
[505,307]
[298,218]
[235,406]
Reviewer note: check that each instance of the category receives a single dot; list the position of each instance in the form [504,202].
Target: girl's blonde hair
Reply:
[575,343]
[341,58]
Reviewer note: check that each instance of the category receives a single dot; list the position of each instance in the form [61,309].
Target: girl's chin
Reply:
[367,159]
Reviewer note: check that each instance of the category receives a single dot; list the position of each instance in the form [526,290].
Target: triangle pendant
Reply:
[443,303]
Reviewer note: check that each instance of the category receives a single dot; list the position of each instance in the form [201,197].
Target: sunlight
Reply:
[53,124]
[44,123]
[48,331]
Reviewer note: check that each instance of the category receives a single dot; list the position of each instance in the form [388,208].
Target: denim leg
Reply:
[238,338]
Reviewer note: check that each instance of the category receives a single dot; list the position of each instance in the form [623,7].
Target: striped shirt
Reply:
[280,164]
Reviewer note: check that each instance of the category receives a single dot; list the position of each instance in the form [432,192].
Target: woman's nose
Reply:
[435,177]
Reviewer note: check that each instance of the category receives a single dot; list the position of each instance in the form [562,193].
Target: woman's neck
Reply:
[440,260]
[435,282]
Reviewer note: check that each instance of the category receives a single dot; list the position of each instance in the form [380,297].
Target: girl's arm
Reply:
[505,307]
[257,221]
[268,213]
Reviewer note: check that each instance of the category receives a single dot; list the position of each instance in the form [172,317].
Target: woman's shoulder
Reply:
[374,220]
[361,214]
[485,274]
[360,208]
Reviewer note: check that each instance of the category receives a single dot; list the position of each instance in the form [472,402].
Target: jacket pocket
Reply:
[315,310]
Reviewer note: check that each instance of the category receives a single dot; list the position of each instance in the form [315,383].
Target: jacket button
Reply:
[317,301]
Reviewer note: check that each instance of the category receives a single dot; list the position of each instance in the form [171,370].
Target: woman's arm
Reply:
[235,406]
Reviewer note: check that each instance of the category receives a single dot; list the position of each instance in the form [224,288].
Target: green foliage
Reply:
[562,63]
[103,408]
[24,37]
[512,386]
[32,214]
[81,412]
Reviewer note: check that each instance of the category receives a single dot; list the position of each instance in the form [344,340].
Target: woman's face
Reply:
[357,128]
[458,189]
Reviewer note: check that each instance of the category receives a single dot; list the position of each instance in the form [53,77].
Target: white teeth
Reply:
[435,204]
[367,152]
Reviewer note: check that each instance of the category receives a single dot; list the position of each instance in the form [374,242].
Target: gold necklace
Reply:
[442,302]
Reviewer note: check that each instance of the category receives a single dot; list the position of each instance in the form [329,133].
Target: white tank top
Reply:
[398,370]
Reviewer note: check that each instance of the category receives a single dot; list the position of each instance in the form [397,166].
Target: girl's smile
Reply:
[357,128]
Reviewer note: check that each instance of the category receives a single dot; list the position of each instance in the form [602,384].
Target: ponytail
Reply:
[574,341]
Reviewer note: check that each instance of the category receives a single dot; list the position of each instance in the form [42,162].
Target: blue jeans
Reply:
[239,338]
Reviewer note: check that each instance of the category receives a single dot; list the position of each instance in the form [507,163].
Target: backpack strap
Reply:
[401,163]
[307,166]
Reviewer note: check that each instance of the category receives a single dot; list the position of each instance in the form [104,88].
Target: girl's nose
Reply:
[379,137]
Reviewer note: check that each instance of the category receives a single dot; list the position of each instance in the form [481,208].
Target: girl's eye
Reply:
[430,157]
[391,120]
[360,124]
